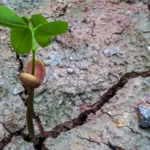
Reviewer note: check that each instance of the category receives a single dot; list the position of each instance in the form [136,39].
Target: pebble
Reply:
[19,88]
[148,48]
[118,20]
[71,58]
[108,52]
[128,12]
[107,42]
[37,100]
[70,70]
[144,116]
[86,20]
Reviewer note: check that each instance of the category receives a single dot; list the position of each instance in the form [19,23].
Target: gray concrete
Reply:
[94,55]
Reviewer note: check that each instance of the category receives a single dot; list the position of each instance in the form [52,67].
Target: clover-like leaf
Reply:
[21,41]
[26,20]
[11,20]
[43,41]
[38,20]
[54,28]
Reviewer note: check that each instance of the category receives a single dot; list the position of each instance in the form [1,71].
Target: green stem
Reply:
[30,102]
[33,62]
[29,114]
[33,54]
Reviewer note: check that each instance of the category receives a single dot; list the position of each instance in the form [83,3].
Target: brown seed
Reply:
[39,69]
[29,80]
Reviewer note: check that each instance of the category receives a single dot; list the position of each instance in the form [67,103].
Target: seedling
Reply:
[24,33]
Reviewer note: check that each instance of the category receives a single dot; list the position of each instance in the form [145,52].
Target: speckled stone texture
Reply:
[116,122]
[106,39]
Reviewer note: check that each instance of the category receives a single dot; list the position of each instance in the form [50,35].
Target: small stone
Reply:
[37,100]
[70,70]
[128,12]
[86,20]
[118,20]
[107,42]
[148,48]
[108,52]
[71,58]
[19,88]
[144,115]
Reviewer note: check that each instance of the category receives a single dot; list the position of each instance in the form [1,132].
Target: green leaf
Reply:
[43,41]
[38,20]
[21,41]
[52,28]
[11,20]
[26,20]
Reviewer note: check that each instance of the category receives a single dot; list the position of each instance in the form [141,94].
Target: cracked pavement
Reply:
[105,41]
[119,125]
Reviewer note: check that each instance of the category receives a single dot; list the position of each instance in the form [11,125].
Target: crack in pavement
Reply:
[7,139]
[108,144]
[82,117]
[113,147]
[20,67]
[133,131]
[112,117]
[90,140]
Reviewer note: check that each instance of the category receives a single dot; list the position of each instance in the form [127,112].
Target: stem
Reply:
[33,62]
[29,113]
[33,54]
[30,102]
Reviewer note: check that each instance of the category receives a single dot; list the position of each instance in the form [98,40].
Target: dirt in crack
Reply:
[7,139]
[81,119]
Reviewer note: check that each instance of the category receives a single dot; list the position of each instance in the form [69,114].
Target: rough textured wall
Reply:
[106,39]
